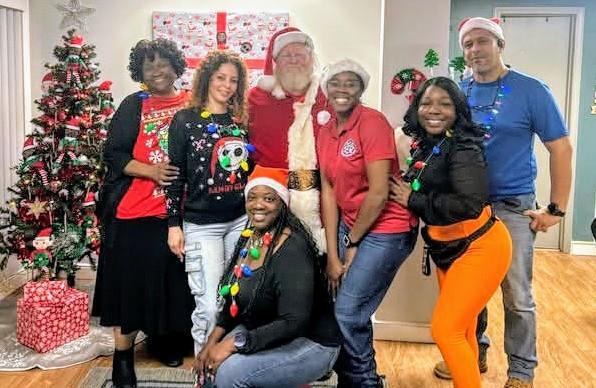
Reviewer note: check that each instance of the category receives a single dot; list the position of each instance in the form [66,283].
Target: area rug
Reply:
[100,377]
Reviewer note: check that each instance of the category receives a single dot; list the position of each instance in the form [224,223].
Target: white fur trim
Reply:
[285,39]
[306,206]
[302,156]
[342,66]
[280,189]
[269,84]
[482,23]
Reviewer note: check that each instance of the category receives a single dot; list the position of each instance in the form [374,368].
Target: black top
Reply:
[293,301]
[215,188]
[122,135]
[454,184]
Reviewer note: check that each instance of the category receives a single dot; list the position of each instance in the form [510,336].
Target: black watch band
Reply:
[554,210]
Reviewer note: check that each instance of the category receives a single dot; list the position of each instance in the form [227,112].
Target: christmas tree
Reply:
[49,224]
[431,59]
[457,64]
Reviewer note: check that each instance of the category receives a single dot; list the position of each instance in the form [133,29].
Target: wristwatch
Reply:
[554,210]
[348,243]
[240,341]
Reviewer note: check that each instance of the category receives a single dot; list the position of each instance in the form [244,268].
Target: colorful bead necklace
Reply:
[218,131]
[416,168]
[252,251]
[487,114]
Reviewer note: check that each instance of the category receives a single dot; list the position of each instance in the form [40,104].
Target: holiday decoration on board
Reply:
[51,314]
[407,80]
[198,33]
[457,64]
[74,14]
[49,222]
[431,60]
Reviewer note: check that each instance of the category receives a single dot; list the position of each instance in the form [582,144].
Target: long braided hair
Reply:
[285,219]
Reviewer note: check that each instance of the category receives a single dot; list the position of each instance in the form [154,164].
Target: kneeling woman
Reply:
[277,326]
[447,186]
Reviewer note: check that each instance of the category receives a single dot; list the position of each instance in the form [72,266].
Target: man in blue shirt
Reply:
[513,107]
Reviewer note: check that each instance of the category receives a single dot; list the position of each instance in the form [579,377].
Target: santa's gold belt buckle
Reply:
[303,180]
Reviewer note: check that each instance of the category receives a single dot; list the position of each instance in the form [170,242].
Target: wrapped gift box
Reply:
[51,314]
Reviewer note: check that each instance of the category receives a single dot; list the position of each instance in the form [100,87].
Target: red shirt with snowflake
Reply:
[366,137]
[144,197]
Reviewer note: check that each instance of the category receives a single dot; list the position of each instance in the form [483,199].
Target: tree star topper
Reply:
[74,14]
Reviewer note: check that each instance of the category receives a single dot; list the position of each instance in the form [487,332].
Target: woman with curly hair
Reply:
[446,185]
[140,283]
[208,145]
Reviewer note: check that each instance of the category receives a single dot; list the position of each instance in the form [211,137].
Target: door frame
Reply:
[573,95]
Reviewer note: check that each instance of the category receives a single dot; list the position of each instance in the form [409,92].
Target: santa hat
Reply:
[275,178]
[277,42]
[30,143]
[343,66]
[76,41]
[73,123]
[491,25]
[45,233]
[89,199]
[105,86]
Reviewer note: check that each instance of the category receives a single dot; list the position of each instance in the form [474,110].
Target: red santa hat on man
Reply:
[491,25]
[278,41]
[274,178]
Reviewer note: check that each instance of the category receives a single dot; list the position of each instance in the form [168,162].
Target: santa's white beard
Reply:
[294,81]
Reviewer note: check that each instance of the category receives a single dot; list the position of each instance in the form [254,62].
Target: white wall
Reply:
[339,28]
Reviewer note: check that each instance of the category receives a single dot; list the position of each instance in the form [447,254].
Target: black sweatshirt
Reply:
[293,302]
[454,184]
[210,166]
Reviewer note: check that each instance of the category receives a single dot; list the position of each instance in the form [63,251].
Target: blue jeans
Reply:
[377,260]
[208,250]
[518,302]
[294,364]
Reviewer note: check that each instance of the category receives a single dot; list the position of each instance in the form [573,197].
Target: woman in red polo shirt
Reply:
[140,284]
[368,237]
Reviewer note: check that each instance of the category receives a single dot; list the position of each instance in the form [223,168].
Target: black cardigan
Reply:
[122,135]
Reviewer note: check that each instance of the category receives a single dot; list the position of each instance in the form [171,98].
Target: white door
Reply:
[540,45]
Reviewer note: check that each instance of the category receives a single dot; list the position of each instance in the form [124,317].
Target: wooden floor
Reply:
[565,291]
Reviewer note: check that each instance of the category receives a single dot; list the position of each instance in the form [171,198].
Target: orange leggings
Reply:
[465,288]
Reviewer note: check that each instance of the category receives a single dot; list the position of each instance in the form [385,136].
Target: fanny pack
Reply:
[444,253]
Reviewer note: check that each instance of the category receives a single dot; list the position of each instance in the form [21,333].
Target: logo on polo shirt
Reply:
[350,148]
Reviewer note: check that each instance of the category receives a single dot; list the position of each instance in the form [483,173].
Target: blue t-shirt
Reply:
[515,108]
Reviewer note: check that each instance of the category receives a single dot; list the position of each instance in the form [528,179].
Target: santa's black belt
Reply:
[303,180]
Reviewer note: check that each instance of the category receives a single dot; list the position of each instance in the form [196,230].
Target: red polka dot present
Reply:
[50,314]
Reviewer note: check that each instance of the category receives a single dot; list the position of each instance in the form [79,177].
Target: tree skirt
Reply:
[17,357]
[100,377]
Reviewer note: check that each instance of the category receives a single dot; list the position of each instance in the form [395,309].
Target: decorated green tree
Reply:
[457,64]
[49,224]
[431,60]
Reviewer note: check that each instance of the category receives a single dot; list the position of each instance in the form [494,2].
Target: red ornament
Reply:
[237,271]
[233,309]
[232,177]
[419,165]
[267,238]
[415,145]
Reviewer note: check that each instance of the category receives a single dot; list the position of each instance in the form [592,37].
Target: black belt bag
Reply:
[444,253]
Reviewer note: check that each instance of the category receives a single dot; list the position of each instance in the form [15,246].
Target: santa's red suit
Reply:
[284,129]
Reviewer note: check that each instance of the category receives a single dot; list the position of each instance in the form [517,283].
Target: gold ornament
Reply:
[36,208]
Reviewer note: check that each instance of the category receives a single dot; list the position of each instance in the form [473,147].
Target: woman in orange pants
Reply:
[446,185]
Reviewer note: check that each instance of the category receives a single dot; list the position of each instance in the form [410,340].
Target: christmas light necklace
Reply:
[252,251]
[488,112]
[416,168]
[218,130]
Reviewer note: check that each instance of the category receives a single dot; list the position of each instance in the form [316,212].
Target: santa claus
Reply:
[286,110]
